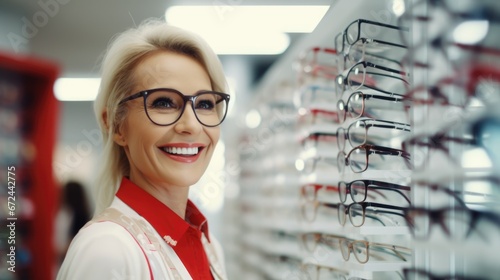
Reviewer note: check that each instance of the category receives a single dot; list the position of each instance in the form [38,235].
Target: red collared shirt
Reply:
[183,235]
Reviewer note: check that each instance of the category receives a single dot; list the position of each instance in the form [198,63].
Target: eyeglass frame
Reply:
[358,37]
[436,217]
[185,98]
[436,142]
[432,276]
[314,112]
[343,106]
[474,72]
[347,56]
[367,245]
[314,137]
[325,239]
[379,185]
[336,206]
[343,79]
[316,187]
[381,150]
[382,124]
[347,211]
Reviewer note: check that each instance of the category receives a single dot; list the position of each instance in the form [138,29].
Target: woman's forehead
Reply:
[160,69]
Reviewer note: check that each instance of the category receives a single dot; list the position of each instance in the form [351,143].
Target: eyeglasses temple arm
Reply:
[387,98]
[393,190]
[388,126]
[389,151]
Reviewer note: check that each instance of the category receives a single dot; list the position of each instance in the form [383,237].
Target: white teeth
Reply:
[181,151]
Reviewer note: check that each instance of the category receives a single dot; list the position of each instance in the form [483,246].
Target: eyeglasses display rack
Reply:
[28,120]
[377,155]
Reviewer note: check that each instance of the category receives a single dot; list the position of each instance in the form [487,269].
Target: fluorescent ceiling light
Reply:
[76,89]
[471,31]
[246,29]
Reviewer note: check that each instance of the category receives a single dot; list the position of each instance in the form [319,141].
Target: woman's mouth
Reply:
[182,151]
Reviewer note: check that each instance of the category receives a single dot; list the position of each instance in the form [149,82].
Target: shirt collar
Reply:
[165,221]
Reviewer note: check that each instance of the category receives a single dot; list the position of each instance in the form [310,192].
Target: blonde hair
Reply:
[123,54]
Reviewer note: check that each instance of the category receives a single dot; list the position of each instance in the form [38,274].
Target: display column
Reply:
[29,118]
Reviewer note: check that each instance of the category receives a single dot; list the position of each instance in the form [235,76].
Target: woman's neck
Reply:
[173,197]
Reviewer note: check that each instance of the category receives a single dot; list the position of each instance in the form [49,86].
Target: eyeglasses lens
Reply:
[165,107]
[356,214]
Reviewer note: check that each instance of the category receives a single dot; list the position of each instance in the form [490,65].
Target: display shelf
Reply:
[336,261]
[273,247]
[393,169]
[273,223]
[348,230]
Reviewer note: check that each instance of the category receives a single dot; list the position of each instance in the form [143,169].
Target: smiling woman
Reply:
[159,106]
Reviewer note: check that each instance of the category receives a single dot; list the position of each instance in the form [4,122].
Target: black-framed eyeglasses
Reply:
[369,131]
[424,145]
[357,212]
[422,274]
[357,76]
[309,212]
[358,157]
[355,105]
[359,189]
[469,184]
[347,59]
[165,106]
[352,34]
[456,222]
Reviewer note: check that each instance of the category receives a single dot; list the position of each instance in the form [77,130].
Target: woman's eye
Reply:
[163,103]
[205,104]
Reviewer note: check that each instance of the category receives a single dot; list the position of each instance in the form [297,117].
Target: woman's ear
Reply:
[104,119]
[118,136]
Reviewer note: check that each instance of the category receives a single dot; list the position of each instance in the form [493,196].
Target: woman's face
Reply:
[149,147]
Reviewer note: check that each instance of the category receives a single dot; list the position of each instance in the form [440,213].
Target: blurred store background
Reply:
[420,129]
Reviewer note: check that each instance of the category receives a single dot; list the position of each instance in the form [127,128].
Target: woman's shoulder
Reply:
[103,250]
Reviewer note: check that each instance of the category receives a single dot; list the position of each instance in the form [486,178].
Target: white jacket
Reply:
[121,245]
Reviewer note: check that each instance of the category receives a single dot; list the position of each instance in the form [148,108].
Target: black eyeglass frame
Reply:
[372,185]
[343,132]
[343,107]
[145,93]
[343,159]
[343,79]
[358,37]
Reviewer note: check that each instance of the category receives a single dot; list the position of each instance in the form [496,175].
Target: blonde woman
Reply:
[161,101]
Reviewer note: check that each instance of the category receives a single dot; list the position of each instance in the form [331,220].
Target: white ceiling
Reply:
[77,34]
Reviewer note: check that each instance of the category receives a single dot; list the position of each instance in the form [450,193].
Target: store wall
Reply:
[10,21]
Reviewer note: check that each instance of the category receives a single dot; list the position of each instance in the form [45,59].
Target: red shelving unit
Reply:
[27,139]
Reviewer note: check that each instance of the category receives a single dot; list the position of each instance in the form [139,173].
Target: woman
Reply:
[159,107]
